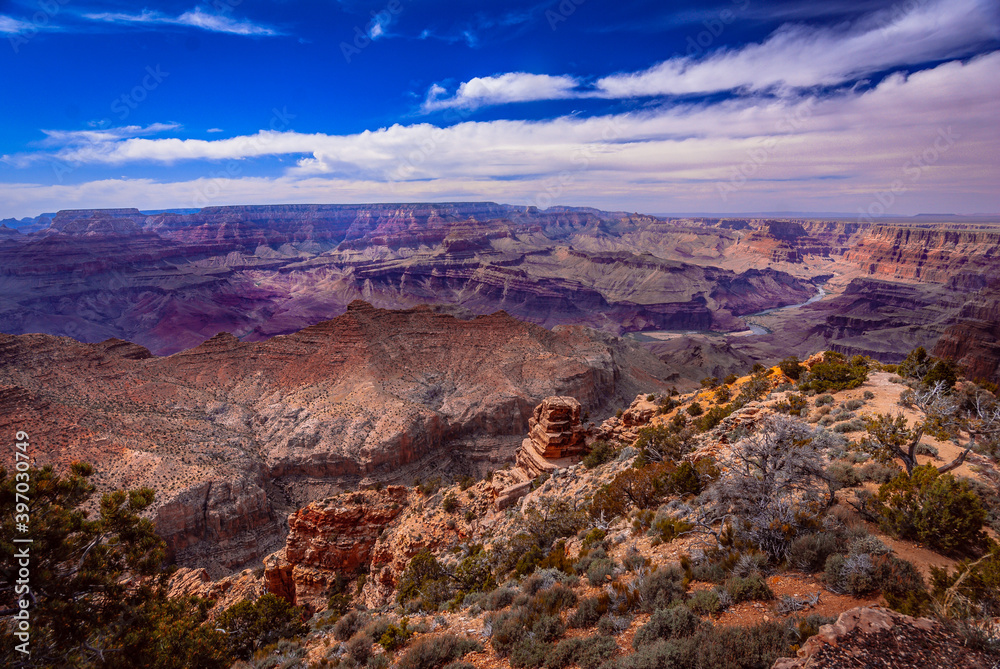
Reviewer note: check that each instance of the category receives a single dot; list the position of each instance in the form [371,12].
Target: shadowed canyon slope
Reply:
[234,435]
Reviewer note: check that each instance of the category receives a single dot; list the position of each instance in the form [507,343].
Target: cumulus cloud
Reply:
[501,89]
[195,18]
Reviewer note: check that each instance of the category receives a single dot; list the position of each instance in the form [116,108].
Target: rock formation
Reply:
[555,436]
[327,538]
[233,435]
[877,637]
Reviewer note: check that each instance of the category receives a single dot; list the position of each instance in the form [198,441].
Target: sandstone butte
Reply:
[234,435]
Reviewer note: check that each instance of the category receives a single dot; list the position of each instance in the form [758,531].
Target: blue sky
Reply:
[870,107]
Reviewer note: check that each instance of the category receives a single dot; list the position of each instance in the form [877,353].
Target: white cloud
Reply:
[501,89]
[819,153]
[801,56]
[196,18]
[796,56]
[12,26]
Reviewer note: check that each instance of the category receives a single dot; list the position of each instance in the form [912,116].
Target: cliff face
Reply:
[233,434]
[926,254]
[171,281]
[327,538]
[973,340]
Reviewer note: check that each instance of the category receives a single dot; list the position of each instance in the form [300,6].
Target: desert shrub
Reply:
[430,652]
[600,452]
[926,449]
[594,537]
[395,635]
[667,528]
[748,588]
[350,624]
[902,585]
[685,480]
[853,405]
[722,394]
[709,382]
[600,570]
[552,600]
[695,410]
[843,474]
[730,379]
[611,624]
[632,488]
[705,602]
[422,569]
[934,508]
[668,442]
[878,472]
[252,625]
[661,587]
[791,367]
[714,416]
[498,599]
[672,623]
[868,395]
[590,610]
[634,560]
[459,664]
[971,592]
[450,503]
[754,647]
[588,653]
[359,648]
[853,425]
[548,628]
[750,564]
[824,400]
[809,552]
[835,373]
[475,573]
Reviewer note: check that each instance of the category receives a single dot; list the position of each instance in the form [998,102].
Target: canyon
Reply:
[170,281]
[234,435]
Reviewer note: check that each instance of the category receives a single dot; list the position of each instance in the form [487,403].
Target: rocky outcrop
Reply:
[555,439]
[330,538]
[877,637]
[223,593]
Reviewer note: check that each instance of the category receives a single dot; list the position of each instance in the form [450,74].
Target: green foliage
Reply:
[835,373]
[933,508]
[253,625]
[714,416]
[944,371]
[97,584]
[666,443]
[350,624]
[475,573]
[709,382]
[672,623]
[705,602]
[430,652]
[632,488]
[600,570]
[791,367]
[916,365]
[695,410]
[749,588]
[809,552]
[449,503]
[395,636]
[722,394]
[754,647]
[423,577]
[590,610]
[661,587]
[730,379]
[589,653]
[600,452]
